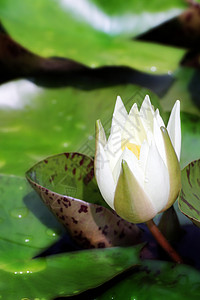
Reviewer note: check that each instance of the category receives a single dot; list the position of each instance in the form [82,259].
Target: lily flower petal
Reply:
[156,183]
[174,128]
[113,147]
[144,151]
[133,164]
[104,175]
[158,118]
[100,134]
[159,140]
[119,116]
[131,201]
[137,169]
[174,170]
[133,130]
[147,114]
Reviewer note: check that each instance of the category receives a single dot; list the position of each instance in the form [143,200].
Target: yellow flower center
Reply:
[132,147]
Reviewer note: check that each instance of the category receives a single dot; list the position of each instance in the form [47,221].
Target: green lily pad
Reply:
[34,25]
[190,126]
[67,121]
[63,181]
[189,198]
[156,280]
[36,122]
[119,7]
[186,89]
[62,275]
[113,17]
[24,219]
[27,228]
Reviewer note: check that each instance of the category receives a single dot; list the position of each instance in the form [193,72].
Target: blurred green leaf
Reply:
[113,17]
[156,280]
[118,6]
[35,25]
[189,198]
[36,122]
[186,89]
[67,119]
[170,226]
[190,128]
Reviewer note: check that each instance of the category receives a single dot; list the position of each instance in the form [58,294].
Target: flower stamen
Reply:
[133,148]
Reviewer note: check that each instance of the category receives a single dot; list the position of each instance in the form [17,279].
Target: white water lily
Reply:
[137,169]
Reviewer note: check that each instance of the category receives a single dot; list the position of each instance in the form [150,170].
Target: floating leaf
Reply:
[113,17]
[34,25]
[16,62]
[157,280]
[24,219]
[189,198]
[190,125]
[185,88]
[27,228]
[67,120]
[67,186]
[60,275]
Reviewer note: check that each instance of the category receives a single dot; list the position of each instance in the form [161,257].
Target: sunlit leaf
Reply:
[34,25]
[18,62]
[37,122]
[112,17]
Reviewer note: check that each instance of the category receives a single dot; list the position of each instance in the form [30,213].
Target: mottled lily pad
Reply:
[67,186]
[189,198]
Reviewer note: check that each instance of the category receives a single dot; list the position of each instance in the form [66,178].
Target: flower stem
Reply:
[163,242]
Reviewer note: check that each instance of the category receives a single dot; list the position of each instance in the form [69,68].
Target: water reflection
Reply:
[17,94]
[113,25]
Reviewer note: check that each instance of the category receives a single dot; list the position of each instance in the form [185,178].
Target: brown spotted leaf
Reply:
[189,198]
[67,186]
